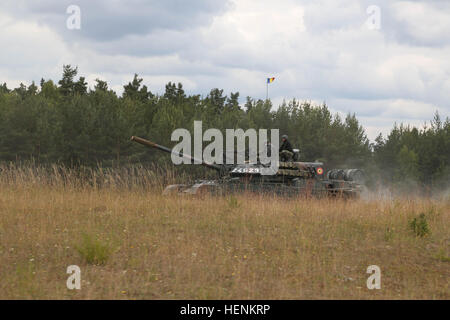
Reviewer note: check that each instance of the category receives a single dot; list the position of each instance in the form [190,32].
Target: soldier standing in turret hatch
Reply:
[286,151]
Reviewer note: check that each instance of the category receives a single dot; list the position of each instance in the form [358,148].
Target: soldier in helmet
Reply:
[286,151]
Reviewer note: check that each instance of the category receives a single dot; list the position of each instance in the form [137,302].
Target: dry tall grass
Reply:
[132,243]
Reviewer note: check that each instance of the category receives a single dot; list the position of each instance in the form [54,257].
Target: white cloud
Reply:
[422,22]
[29,51]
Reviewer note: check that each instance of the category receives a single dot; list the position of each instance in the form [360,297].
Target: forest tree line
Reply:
[66,122]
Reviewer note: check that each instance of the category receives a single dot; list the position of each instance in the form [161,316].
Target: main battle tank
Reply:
[293,178]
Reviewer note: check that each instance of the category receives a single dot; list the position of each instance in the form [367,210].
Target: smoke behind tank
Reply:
[356,175]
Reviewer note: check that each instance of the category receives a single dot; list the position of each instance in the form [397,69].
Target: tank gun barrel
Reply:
[165,149]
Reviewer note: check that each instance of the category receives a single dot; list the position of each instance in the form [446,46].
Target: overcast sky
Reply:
[392,69]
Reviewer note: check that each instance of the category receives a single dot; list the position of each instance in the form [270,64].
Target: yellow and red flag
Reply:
[270,80]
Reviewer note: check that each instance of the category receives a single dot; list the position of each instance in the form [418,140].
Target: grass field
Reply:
[133,243]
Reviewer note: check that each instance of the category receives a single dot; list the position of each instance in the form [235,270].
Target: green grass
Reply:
[93,250]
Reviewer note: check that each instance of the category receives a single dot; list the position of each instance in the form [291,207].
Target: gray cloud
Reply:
[104,20]
[318,50]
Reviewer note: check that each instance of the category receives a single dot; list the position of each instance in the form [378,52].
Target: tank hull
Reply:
[302,188]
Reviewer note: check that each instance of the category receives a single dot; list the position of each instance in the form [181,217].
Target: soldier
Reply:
[286,151]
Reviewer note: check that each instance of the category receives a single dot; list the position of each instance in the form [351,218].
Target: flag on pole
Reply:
[270,80]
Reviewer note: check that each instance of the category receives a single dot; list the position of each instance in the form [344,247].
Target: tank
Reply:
[293,178]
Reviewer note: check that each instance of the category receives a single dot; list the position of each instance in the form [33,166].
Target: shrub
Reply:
[388,234]
[233,202]
[93,250]
[419,226]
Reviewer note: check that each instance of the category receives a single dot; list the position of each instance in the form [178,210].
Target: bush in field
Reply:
[93,250]
[419,226]
[233,202]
